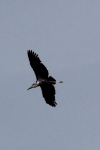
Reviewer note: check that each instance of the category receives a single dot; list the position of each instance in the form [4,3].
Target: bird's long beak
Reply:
[33,86]
[30,87]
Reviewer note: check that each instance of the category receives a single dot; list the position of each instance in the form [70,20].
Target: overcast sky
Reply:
[66,36]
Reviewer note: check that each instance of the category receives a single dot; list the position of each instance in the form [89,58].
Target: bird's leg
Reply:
[60,82]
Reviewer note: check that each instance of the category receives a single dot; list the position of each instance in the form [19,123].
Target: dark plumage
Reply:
[43,79]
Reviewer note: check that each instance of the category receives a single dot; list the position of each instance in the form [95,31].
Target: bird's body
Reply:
[43,79]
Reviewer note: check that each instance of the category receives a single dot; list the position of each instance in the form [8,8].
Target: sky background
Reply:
[66,36]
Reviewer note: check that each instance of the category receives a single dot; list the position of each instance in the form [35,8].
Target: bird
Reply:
[43,79]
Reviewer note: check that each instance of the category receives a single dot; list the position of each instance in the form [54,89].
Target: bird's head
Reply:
[33,86]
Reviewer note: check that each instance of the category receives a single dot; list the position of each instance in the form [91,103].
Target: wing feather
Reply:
[48,92]
[39,69]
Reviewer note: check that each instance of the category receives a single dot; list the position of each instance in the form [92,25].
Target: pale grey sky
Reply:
[66,36]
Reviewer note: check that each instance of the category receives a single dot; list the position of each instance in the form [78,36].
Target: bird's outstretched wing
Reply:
[48,92]
[39,69]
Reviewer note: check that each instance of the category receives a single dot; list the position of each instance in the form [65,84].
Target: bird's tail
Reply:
[51,79]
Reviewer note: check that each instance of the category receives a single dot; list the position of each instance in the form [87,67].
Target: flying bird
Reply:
[43,79]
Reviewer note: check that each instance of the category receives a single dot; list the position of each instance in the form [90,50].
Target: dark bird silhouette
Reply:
[45,81]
